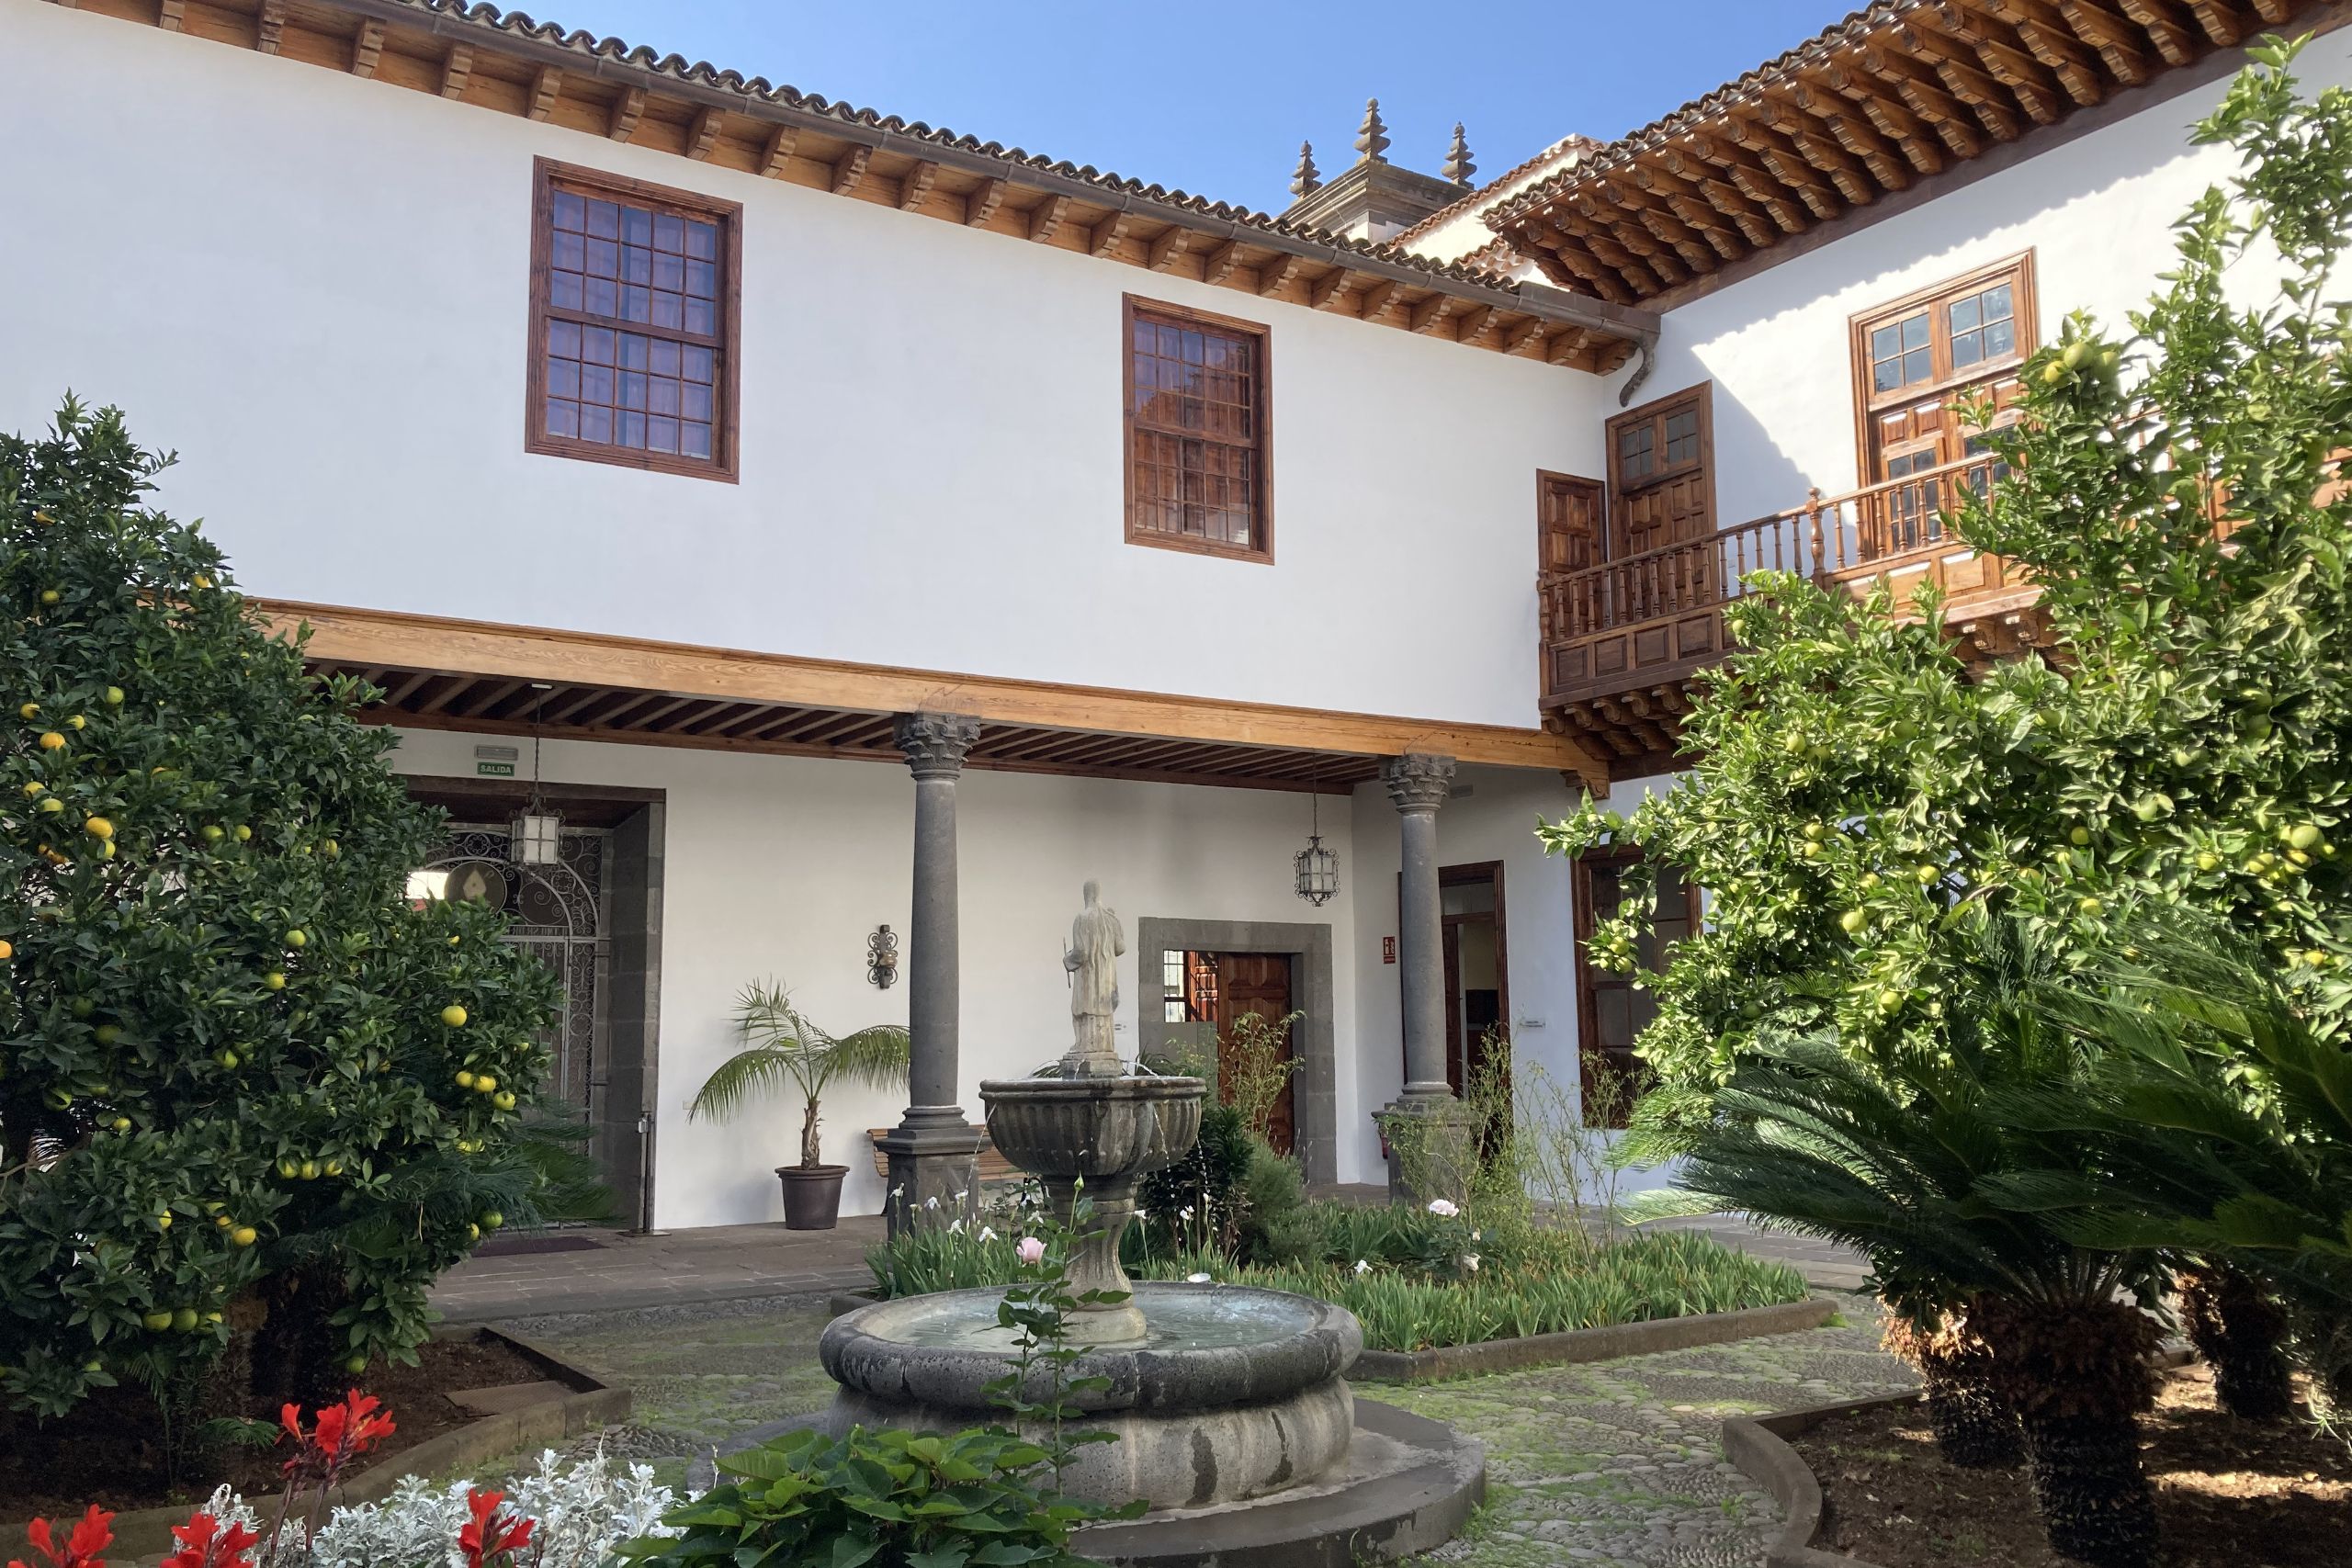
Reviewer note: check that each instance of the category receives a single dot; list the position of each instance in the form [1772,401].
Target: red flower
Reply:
[494,1536]
[343,1432]
[204,1544]
[92,1534]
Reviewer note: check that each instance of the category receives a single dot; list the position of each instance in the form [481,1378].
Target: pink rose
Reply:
[1031,1250]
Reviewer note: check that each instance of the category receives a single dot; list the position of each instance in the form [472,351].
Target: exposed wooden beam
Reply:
[1720,184]
[2278,13]
[1221,263]
[171,15]
[546,87]
[1956,64]
[1835,140]
[2170,28]
[1478,327]
[628,109]
[1046,218]
[1274,278]
[779,151]
[456,70]
[1528,335]
[269,26]
[2219,21]
[468,651]
[1432,313]
[2120,43]
[703,135]
[1381,301]
[366,47]
[849,169]
[1569,346]
[2048,37]
[1164,251]
[981,205]
[1578,257]
[1791,158]
[1106,235]
[916,183]
[1330,291]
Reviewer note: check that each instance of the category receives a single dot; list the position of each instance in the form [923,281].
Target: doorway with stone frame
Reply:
[1195,977]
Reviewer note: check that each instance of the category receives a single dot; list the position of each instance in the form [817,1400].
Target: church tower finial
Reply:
[1458,166]
[1309,178]
[1372,139]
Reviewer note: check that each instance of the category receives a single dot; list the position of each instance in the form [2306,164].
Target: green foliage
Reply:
[784,1049]
[1855,787]
[1037,1390]
[1277,1225]
[1208,1180]
[225,1068]
[1254,1065]
[902,1499]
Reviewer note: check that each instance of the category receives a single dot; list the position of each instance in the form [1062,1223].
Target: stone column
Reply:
[1425,1124]
[934,1151]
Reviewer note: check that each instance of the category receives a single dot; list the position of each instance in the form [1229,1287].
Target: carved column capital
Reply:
[1418,781]
[934,743]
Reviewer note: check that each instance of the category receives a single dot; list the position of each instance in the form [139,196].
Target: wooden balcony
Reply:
[1622,639]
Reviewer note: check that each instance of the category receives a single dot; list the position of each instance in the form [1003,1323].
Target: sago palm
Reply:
[784,1049]
[1891,1159]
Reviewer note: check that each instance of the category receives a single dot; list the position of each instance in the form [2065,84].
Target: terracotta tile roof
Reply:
[1564,147]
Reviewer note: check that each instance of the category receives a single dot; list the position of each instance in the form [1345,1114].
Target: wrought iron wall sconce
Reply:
[882,957]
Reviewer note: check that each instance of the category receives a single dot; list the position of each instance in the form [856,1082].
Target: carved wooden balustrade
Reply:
[1621,639]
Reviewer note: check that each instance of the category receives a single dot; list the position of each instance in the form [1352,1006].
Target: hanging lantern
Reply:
[537,835]
[1315,870]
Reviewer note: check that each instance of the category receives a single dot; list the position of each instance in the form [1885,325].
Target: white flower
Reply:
[1473,1235]
[1142,1215]
[964,1194]
[1361,1266]
[1196,1279]
[1470,1262]
[987,1233]
[1444,1208]
[899,1191]
[932,1201]
[1184,1213]
[955,1226]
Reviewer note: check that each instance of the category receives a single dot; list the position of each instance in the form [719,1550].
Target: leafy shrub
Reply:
[895,1497]
[1277,1224]
[1254,1065]
[244,1079]
[1208,1181]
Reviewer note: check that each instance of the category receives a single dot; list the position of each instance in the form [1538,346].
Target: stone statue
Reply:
[1096,944]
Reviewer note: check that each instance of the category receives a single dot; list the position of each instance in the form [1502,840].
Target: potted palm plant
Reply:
[781,1049]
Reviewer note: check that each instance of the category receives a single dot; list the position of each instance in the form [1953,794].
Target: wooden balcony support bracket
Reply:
[628,109]
[704,134]
[1046,218]
[1105,238]
[1221,263]
[546,88]
[1168,248]
[1330,292]
[849,169]
[1432,313]
[1381,301]
[366,47]
[916,183]
[1277,275]
[269,26]
[777,154]
[2168,27]
[171,15]
[981,205]
[456,69]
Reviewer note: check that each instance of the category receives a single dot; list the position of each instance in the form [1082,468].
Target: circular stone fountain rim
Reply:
[1142,1377]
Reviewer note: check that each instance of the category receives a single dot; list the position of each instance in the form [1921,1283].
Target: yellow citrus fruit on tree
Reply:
[50,596]
[297,938]
[98,828]
[465,1078]
[453,1016]
[484,1083]
[29,710]
[77,721]
[274,980]
[114,696]
[243,1236]
[51,741]
[7,952]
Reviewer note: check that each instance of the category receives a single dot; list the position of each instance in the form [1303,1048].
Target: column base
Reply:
[1432,1148]
[931,1160]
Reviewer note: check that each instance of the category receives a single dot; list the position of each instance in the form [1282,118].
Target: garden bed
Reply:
[2233,1492]
[107,1451]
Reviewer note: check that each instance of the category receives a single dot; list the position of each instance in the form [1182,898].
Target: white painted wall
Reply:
[1496,822]
[781,867]
[2097,212]
[314,288]
[1465,228]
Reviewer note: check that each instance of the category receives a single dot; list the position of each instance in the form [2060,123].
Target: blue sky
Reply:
[1214,96]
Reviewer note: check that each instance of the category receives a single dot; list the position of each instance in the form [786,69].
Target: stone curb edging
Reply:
[147,1532]
[1607,1344]
[1757,1446]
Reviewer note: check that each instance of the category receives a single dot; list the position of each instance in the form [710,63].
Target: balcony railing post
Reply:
[1812,527]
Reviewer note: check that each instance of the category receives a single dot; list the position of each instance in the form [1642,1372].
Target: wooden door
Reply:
[1257,984]
[1568,523]
[1661,480]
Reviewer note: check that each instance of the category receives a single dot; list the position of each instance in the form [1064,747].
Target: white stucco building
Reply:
[713,448]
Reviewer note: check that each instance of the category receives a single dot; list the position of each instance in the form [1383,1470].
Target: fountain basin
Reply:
[1096,1128]
[1232,1392]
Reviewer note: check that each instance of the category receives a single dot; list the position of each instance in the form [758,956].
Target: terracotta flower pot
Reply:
[812,1195]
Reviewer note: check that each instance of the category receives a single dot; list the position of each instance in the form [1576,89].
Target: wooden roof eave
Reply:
[1630,324]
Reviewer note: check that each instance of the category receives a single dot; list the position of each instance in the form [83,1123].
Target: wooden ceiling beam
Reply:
[1273,279]
[1105,238]
[703,134]
[1776,177]
[1579,258]
[546,88]
[1957,66]
[1530,332]
[1627,227]
[2219,22]
[1432,313]
[1890,126]
[1164,252]
[981,205]
[1954,38]
[1948,124]
[1679,220]
[916,183]
[171,15]
[456,70]
[1691,198]
[2278,13]
[2120,45]
[1381,301]
[1541,240]
[2050,39]
[1924,90]
[269,26]
[779,151]
[1046,218]
[1221,263]
[1330,292]
[620,123]
[1478,328]
[1788,155]
[366,47]
[1649,274]
[849,169]
[2170,28]
[1715,180]
[1835,140]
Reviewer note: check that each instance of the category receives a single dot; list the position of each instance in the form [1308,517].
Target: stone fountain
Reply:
[1231,1404]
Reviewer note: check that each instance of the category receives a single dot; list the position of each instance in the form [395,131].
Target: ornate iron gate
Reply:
[558,914]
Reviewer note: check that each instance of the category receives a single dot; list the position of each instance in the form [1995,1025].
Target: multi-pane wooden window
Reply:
[1611,1011]
[1196,431]
[633,323]
[1914,362]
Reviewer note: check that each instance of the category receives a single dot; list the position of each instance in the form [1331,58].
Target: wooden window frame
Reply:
[1616,492]
[1263,553]
[723,463]
[1583,921]
[2024,311]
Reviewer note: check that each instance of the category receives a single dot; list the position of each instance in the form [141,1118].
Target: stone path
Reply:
[1615,1463]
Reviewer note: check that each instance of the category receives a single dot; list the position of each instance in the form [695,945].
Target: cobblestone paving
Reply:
[1613,1463]
[1618,1463]
[699,1373]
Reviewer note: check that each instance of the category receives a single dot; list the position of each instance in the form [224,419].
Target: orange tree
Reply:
[1857,788]
[248,1093]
